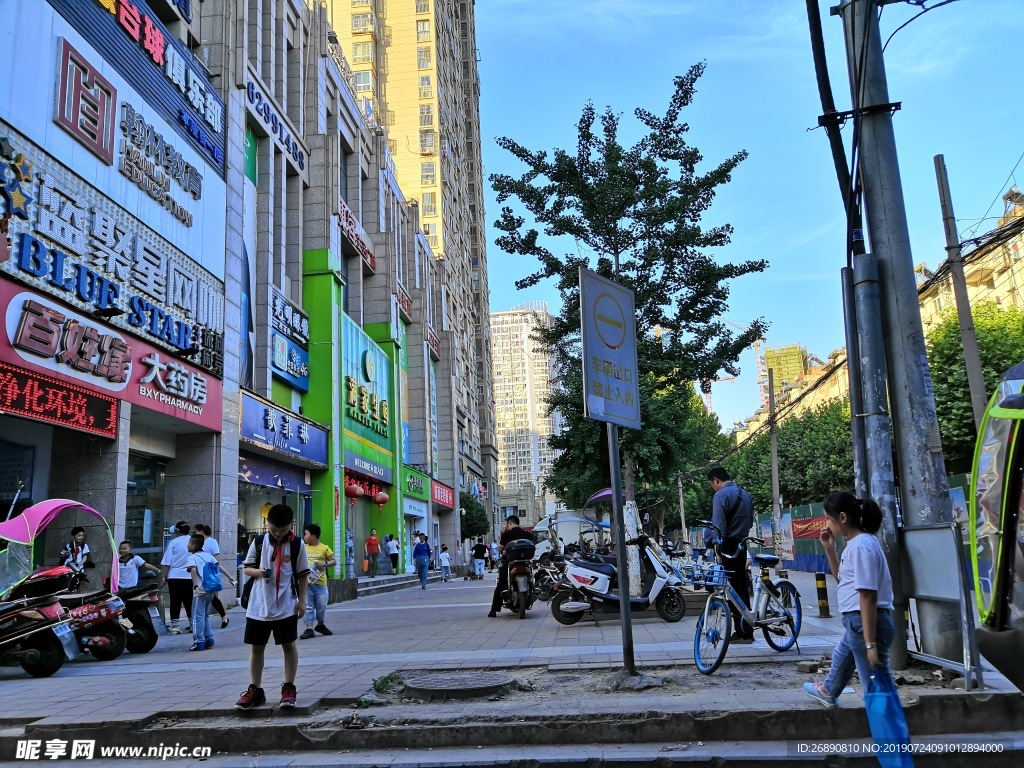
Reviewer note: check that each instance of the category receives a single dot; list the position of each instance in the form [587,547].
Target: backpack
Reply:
[247,587]
[211,577]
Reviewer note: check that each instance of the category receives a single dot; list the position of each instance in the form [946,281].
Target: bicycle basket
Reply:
[715,576]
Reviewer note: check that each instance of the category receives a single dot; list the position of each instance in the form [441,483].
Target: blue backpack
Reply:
[211,577]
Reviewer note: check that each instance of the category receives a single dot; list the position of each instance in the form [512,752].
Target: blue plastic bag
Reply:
[887,721]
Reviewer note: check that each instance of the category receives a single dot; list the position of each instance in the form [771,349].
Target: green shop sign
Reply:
[367,371]
[415,484]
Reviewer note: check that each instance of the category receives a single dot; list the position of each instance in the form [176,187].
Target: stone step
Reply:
[381,584]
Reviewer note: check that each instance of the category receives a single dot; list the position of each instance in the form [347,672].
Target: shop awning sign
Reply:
[282,433]
[367,468]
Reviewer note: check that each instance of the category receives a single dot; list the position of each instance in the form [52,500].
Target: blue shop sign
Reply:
[282,433]
[289,362]
[270,475]
[378,472]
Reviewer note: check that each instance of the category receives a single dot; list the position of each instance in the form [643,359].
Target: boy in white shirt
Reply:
[277,562]
[198,563]
[446,564]
[129,566]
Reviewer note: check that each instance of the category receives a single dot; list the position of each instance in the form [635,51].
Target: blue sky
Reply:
[956,70]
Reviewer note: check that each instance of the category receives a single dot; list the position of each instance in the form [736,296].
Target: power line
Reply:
[915,17]
[999,194]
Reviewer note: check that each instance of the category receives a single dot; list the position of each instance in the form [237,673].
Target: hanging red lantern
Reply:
[353,492]
[380,499]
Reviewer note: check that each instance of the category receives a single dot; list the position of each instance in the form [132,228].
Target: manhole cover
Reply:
[455,685]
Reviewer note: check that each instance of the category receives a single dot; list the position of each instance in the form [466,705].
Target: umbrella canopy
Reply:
[604,494]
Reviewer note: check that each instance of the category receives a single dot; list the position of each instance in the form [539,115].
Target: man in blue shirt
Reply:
[733,514]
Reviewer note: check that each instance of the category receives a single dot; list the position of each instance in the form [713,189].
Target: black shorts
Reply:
[284,630]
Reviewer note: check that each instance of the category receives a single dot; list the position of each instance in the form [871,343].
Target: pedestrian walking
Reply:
[205,573]
[495,554]
[211,545]
[278,563]
[174,573]
[393,549]
[480,551]
[446,564]
[864,594]
[372,549]
[421,558]
[320,557]
[733,513]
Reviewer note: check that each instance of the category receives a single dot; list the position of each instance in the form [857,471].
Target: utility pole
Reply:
[682,508]
[773,431]
[924,490]
[972,357]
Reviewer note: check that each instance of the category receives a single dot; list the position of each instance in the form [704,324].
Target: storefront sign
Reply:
[404,303]
[74,244]
[128,35]
[288,319]
[367,372]
[41,398]
[263,107]
[372,469]
[434,343]
[289,362]
[42,335]
[282,432]
[270,474]
[354,234]
[415,483]
[442,494]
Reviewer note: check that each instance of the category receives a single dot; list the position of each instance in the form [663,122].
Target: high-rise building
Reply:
[415,72]
[523,372]
[788,364]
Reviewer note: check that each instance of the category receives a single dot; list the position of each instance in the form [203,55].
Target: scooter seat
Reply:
[605,568]
[769,561]
[76,599]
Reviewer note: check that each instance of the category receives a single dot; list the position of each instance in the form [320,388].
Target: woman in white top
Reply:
[174,573]
[864,595]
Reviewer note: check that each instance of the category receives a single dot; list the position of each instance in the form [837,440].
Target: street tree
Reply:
[1000,332]
[474,522]
[633,214]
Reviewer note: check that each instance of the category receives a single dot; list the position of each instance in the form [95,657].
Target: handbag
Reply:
[887,722]
[366,566]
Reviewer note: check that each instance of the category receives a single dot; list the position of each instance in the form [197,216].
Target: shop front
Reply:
[415,509]
[443,526]
[279,451]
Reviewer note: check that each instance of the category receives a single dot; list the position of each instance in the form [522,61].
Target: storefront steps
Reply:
[380,584]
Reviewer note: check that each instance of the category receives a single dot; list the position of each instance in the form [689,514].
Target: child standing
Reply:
[321,557]
[446,564]
[864,594]
[198,561]
[129,566]
[75,554]
[277,561]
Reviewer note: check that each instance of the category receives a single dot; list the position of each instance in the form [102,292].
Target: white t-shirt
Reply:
[197,562]
[76,556]
[176,556]
[272,599]
[393,547]
[446,559]
[211,546]
[863,566]
[128,573]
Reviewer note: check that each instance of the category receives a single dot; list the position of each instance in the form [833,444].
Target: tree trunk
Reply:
[628,475]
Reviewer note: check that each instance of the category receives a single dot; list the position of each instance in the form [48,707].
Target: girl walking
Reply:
[864,595]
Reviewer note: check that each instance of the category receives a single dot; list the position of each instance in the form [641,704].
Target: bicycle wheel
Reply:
[712,638]
[786,607]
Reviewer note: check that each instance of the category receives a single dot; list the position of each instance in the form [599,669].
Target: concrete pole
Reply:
[682,508]
[972,356]
[870,351]
[773,431]
[853,372]
[924,492]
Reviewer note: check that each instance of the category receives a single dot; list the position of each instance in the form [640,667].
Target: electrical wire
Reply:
[915,17]
[999,193]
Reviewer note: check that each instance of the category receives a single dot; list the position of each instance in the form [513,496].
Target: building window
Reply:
[426,88]
[364,81]
[422,31]
[428,142]
[422,54]
[362,22]
[362,53]
[426,115]
[422,6]
[429,201]
[356,3]
[428,174]
[430,232]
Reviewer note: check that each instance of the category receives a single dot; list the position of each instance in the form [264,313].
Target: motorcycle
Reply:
[521,593]
[31,634]
[592,586]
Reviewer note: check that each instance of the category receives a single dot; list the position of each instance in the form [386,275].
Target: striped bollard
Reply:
[819,582]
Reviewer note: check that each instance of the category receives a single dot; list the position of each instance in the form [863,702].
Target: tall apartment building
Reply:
[415,72]
[789,363]
[522,380]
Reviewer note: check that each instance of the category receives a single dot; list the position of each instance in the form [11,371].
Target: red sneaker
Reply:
[253,697]
[288,695]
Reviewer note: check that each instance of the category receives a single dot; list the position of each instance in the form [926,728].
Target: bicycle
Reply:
[777,611]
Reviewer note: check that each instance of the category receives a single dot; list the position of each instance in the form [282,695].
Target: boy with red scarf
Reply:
[277,560]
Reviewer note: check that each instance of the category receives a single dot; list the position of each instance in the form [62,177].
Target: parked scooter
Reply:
[31,629]
[521,592]
[142,609]
[593,586]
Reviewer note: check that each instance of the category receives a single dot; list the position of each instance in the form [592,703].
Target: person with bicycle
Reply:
[733,514]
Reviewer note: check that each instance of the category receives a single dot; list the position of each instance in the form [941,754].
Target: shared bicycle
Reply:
[776,609]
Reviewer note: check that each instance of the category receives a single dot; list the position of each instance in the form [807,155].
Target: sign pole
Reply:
[621,564]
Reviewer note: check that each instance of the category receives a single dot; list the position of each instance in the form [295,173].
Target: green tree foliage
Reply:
[815,458]
[1000,334]
[474,522]
[638,209]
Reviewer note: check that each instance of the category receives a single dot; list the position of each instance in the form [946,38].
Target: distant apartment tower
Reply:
[415,75]
[522,380]
[789,364]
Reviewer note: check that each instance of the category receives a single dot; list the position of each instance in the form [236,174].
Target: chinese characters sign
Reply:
[355,236]
[442,494]
[367,380]
[610,382]
[281,432]
[415,483]
[289,341]
[41,398]
[86,103]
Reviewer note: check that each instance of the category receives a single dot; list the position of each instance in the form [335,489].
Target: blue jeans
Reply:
[446,572]
[478,565]
[202,632]
[422,563]
[851,654]
[316,604]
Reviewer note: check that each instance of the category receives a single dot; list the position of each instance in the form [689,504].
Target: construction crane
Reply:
[707,395]
[762,370]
